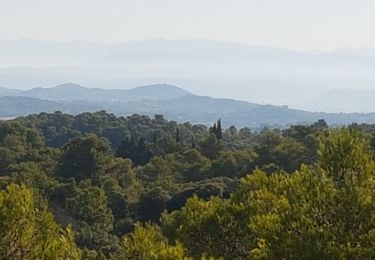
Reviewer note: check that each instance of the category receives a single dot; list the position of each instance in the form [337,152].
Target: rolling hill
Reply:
[73,92]
[171,101]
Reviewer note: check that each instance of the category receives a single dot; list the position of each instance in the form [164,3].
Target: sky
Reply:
[292,24]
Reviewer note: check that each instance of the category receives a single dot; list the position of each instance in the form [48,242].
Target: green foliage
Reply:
[83,158]
[234,164]
[193,166]
[138,152]
[211,147]
[31,175]
[147,243]
[125,176]
[18,144]
[160,172]
[287,153]
[219,186]
[28,232]
[151,204]
[116,199]
[165,145]
[306,215]
[346,157]
[293,201]
[88,204]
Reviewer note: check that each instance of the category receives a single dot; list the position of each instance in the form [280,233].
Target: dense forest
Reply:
[97,186]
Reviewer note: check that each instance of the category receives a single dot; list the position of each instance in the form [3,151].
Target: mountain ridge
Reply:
[256,73]
[63,92]
[181,106]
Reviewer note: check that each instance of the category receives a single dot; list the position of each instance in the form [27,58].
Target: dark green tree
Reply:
[138,152]
[84,157]
[211,147]
[151,204]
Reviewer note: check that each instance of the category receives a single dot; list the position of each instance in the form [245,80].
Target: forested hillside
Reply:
[98,186]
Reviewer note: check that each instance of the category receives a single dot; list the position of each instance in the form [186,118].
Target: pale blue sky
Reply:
[293,24]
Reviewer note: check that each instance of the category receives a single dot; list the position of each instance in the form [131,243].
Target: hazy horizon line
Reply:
[244,43]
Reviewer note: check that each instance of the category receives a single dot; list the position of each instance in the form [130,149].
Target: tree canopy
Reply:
[97,186]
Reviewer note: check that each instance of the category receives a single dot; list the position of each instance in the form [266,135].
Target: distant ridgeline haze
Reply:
[171,101]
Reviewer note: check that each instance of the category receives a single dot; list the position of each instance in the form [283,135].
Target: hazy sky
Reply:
[294,24]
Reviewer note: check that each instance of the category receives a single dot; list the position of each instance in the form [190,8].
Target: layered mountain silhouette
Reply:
[260,74]
[173,102]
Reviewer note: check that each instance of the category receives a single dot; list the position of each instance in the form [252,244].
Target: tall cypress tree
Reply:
[213,129]
[219,131]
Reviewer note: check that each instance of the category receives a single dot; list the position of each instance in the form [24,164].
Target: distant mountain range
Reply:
[173,102]
[259,74]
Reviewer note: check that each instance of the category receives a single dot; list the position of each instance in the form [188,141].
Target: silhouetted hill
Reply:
[198,109]
[12,106]
[258,74]
[63,92]
[156,91]
[73,92]
[173,102]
